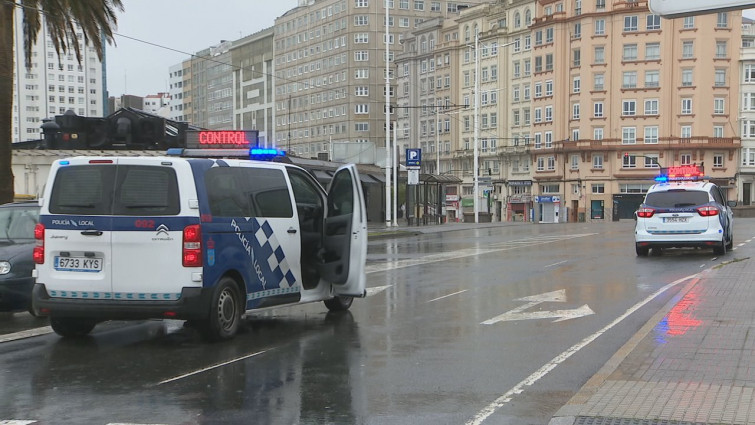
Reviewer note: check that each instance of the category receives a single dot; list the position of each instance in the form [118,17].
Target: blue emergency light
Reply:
[259,154]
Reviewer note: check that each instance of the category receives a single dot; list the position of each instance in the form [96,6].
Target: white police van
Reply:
[197,239]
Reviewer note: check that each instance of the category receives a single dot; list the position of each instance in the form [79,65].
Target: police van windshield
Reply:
[108,189]
[676,198]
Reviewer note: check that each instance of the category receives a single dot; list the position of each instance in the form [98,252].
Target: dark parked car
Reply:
[17,221]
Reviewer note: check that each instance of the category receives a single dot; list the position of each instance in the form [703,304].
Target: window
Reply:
[718,131]
[361,126]
[575,111]
[574,163]
[597,161]
[629,107]
[361,20]
[629,79]
[718,105]
[548,113]
[575,85]
[651,161]
[549,88]
[598,187]
[630,52]
[689,22]
[685,159]
[652,51]
[628,136]
[686,132]
[687,77]
[686,106]
[653,22]
[720,78]
[688,49]
[749,73]
[721,49]
[630,23]
[576,57]
[361,56]
[597,109]
[629,161]
[722,20]
[651,106]
[652,78]
[597,133]
[718,160]
[599,55]
[651,135]
[598,82]
[600,26]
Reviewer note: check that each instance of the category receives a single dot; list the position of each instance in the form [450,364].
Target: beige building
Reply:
[593,97]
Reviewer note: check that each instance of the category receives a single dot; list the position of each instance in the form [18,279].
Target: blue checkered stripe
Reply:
[269,251]
[97,295]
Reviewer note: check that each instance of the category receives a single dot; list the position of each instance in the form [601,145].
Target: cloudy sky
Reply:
[154,35]
[151,34]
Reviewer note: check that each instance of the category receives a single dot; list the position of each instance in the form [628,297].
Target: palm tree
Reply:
[97,19]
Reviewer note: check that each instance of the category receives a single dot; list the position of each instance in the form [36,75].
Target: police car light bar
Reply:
[260,154]
[681,173]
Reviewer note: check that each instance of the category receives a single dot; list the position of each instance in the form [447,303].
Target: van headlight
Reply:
[4,267]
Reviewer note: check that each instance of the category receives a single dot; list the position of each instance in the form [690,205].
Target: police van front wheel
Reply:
[225,311]
[339,303]
[72,326]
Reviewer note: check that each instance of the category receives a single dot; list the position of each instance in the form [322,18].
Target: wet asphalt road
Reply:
[458,328]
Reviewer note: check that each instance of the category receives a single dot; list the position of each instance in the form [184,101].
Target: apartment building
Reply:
[330,67]
[625,92]
[54,84]
[746,116]
[179,89]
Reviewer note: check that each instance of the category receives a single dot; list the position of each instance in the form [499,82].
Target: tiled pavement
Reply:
[693,363]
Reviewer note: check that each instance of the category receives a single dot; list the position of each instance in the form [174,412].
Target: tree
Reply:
[97,19]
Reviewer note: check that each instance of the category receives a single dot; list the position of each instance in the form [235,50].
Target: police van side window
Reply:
[341,196]
[248,192]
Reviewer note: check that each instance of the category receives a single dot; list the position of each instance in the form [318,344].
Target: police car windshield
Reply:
[676,198]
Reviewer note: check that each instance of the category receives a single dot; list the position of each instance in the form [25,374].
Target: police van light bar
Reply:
[681,173]
[260,154]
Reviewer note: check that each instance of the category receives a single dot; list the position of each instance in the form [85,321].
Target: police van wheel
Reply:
[720,249]
[339,303]
[225,311]
[72,326]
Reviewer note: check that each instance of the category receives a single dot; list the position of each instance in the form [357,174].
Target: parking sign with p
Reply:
[413,157]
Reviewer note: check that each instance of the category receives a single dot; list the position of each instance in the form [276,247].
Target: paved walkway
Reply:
[692,363]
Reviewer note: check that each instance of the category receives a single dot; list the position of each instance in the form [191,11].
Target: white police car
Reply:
[684,211]
[198,239]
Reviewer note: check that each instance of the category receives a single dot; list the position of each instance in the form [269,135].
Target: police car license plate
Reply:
[675,219]
[78,264]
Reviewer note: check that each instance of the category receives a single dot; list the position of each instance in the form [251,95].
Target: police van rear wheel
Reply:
[72,326]
[339,303]
[225,311]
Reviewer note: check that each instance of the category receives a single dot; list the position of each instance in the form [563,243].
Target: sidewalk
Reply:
[381,230]
[693,363]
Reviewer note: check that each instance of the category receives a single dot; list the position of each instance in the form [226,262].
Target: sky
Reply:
[150,32]
[141,67]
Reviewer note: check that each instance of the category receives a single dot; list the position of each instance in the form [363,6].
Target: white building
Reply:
[54,84]
[158,104]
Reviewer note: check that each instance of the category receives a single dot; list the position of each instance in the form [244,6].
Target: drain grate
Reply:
[585,420]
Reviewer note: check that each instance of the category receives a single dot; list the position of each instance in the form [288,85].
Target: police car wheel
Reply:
[730,245]
[720,249]
[339,303]
[225,311]
[72,326]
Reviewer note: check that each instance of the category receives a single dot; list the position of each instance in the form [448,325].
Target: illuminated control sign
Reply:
[221,139]
[681,173]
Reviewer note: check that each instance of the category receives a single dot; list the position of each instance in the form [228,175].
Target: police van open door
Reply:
[345,234]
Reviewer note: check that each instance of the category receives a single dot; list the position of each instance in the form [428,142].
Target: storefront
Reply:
[548,208]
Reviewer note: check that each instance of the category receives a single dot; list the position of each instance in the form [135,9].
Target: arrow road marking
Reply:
[533,300]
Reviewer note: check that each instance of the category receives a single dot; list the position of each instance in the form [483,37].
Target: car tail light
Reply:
[645,212]
[192,246]
[39,249]
[707,211]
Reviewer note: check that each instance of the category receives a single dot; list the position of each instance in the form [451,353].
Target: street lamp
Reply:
[476,121]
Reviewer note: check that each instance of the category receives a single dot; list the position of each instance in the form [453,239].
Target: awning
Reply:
[439,178]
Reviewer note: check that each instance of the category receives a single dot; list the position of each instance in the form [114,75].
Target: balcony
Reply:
[634,5]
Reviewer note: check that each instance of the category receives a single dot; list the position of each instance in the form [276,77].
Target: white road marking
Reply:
[376,290]
[533,300]
[18,422]
[446,296]
[25,334]
[215,366]
[469,252]
[555,264]
[540,373]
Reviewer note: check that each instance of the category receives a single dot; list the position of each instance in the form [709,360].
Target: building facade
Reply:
[54,84]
